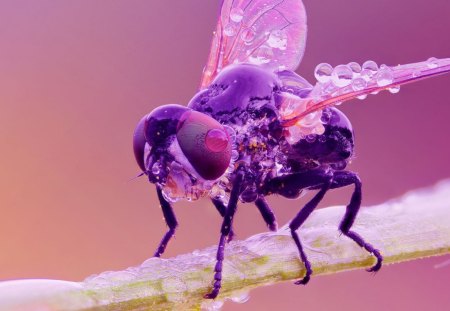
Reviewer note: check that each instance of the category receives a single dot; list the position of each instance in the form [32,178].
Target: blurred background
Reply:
[76,77]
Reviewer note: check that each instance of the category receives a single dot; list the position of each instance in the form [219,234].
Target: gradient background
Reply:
[76,76]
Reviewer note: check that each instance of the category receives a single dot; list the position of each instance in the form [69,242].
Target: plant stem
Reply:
[414,226]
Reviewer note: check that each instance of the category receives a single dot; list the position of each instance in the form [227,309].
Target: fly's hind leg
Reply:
[342,179]
[290,185]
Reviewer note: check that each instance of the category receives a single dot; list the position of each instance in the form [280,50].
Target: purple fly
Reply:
[257,128]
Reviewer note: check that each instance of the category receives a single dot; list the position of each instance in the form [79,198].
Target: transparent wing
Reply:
[343,84]
[271,33]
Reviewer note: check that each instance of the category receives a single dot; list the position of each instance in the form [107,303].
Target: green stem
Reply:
[415,226]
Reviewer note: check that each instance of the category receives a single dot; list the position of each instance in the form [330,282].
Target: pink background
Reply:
[76,76]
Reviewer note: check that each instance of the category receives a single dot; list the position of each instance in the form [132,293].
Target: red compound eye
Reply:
[216,140]
[205,144]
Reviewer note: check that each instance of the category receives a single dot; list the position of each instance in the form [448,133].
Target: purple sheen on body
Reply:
[237,89]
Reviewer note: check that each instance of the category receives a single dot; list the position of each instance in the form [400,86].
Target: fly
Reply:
[256,128]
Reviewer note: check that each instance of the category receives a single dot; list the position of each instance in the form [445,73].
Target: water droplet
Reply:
[432,63]
[229,30]
[323,72]
[236,14]
[241,298]
[262,55]
[231,132]
[342,75]
[248,34]
[385,77]
[359,84]
[311,138]
[363,96]
[156,168]
[326,116]
[366,74]
[295,134]
[395,89]
[319,129]
[212,305]
[234,155]
[370,65]
[277,39]
[355,67]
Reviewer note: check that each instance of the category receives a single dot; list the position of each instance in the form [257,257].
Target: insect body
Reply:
[257,128]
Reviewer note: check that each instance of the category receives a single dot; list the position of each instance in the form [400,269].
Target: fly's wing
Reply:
[341,84]
[270,33]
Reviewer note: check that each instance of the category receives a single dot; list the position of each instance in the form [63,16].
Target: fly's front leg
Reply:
[221,208]
[171,222]
[345,178]
[224,232]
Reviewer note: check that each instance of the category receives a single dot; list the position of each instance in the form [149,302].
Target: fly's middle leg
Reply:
[291,185]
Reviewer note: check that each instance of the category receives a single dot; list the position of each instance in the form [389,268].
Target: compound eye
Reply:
[216,140]
[139,144]
[205,143]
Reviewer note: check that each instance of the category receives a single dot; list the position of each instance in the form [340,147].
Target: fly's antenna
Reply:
[136,177]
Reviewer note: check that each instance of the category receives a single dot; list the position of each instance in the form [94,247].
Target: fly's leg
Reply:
[298,220]
[225,231]
[171,222]
[290,186]
[345,178]
[221,208]
[267,213]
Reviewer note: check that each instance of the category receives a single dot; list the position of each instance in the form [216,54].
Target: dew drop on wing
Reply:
[323,72]
[355,67]
[236,15]
[394,90]
[262,55]
[366,74]
[248,34]
[229,30]
[359,84]
[278,39]
[370,65]
[384,76]
[342,75]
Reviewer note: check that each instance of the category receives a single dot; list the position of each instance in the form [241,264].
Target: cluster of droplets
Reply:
[311,124]
[234,27]
[359,77]
[277,39]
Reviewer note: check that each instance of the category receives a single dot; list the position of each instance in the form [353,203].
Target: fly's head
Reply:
[182,151]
